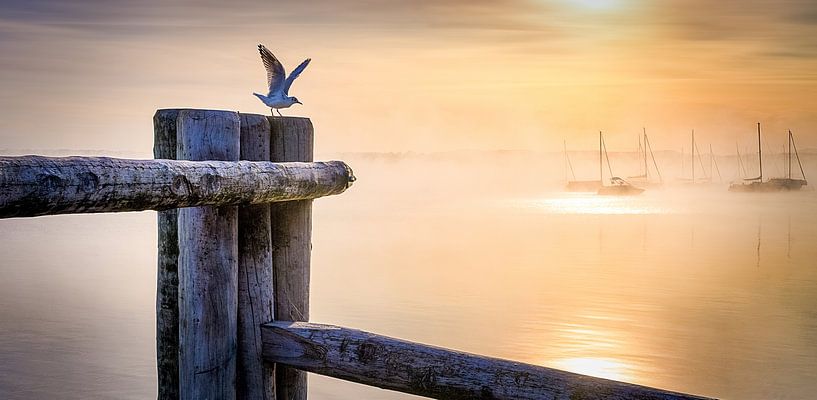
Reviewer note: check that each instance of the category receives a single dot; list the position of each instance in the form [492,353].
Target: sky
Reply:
[420,76]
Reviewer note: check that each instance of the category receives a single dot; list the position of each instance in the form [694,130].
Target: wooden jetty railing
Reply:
[234,199]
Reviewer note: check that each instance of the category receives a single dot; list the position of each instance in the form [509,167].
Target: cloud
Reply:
[772,27]
[461,64]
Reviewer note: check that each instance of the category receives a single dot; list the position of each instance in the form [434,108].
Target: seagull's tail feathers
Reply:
[260,96]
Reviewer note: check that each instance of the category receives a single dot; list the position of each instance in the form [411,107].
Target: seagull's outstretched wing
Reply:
[275,71]
[294,74]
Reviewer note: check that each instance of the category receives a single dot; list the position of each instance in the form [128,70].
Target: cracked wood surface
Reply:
[35,185]
[431,371]
[167,271]
[292,140]
[255,379]
[208,266]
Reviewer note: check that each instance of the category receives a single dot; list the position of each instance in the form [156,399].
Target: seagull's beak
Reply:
[299,102]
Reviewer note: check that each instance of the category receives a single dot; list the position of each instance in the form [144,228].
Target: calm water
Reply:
[695,290]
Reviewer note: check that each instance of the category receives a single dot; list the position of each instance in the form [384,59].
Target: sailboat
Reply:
[789,183]
[757,184]
[644,178]
[575,185]
[618,186]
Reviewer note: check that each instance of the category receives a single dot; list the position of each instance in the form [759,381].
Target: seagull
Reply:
[279,84]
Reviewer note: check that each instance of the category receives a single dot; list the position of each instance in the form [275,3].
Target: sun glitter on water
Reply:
[593,204]
[601,367]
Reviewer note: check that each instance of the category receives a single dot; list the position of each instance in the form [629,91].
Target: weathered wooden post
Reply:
[292,140]
[196,245]
[167,276]
[208,265]
[255,379]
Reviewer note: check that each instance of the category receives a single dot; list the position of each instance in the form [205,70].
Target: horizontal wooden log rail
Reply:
[34,185]
[430,371]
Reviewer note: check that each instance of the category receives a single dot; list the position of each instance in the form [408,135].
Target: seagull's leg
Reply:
[279,112]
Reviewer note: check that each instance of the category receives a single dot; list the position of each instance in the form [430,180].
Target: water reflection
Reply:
[666,289]
[591,349]
[590,203]
[600,367]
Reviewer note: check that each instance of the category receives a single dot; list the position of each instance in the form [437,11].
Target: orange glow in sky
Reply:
[426,76]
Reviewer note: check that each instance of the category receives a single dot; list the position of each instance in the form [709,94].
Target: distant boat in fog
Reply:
[757,184]
[644,178]
[576,185]
[618,186]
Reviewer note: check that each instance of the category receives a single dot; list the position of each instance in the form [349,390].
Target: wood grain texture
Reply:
[434,372]
[208,266]
[255,379]
[292,140]
[35,185]
[167,274]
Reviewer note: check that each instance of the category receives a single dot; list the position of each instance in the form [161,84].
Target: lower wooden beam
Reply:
[430,371]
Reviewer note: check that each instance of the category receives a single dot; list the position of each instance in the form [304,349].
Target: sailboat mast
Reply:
[601,170]
[640,149]
[646,169]
[799,164]
[654,163]
[789,154]
[741,168]
[569,164]
[564,142]
[759,152]
[714,163]
[692,159]
[607,156]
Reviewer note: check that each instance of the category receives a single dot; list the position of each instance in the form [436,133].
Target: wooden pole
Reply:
[208,263]
[292,140]
[435,372]
[167,275]
[255,379]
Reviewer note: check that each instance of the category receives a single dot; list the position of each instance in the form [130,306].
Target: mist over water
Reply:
[689,288]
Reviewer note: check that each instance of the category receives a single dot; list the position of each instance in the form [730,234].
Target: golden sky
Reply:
[417,76]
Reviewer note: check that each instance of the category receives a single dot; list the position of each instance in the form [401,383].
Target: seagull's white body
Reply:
[278,95]
[275,102]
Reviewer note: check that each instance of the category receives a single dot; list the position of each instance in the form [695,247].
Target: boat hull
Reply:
[772,185]
[619,190]
[646,184]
